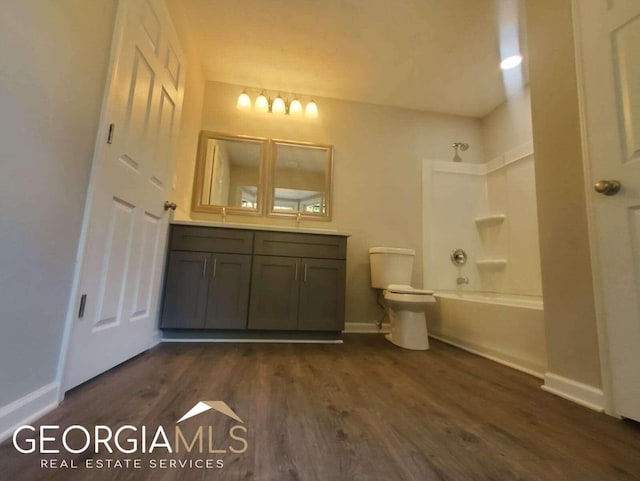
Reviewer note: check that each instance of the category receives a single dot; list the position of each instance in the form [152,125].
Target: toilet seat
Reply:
[402,289]
[407,294]
[408,299]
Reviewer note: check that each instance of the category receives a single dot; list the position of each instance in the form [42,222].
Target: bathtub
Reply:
[504,328]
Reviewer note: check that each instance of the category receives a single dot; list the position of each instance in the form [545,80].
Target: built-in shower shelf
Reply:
[492,263]
[490,219]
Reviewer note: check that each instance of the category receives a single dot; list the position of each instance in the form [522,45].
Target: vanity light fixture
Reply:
[311,110]
[262,104]
[278,105]
[244,101]
[511,62]
[295,107]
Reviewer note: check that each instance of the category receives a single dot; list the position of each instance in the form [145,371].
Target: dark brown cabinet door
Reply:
[185,296]
[322,286]
[274,293]
[228,297]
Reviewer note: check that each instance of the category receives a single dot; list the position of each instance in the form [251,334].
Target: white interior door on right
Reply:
[608,38]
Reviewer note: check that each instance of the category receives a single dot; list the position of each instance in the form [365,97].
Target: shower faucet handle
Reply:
[458,257]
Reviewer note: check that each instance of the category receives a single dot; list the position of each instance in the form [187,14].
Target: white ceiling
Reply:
[432,55]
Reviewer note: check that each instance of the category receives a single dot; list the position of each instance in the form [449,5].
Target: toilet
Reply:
[391,270]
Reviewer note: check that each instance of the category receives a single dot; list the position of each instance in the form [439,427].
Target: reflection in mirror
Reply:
[228,174]
[301,179]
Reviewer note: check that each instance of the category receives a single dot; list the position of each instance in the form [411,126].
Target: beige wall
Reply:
[54,65]
[508,126]
[564,243]
[377,172]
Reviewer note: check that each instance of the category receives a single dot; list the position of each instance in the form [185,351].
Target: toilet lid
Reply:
[402,289]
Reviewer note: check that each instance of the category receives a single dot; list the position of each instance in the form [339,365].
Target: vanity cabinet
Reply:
[321,303]
[291,292]
[185,293]
[274,293]
[224,278]
[208,279]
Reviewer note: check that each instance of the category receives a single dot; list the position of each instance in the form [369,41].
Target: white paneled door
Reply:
[608,34]
[125,221]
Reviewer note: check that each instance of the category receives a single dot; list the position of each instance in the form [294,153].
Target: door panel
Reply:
[626,40]
[164,133]
[149,247]
[125,226]
[116,257]
[274,293]
[322,288]
[139,108]
[228,298]
[608,34]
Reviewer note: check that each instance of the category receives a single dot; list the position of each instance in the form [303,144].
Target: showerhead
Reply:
[459,145]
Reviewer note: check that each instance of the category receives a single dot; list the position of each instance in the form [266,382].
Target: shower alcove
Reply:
[489,210]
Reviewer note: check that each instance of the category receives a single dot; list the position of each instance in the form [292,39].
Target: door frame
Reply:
[596,276]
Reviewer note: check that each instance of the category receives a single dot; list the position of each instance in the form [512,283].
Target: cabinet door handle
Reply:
[295,276]
[215,267]
[204,268]
[304,277]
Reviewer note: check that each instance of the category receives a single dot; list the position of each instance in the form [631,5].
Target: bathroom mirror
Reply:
[229,174]
[300,180]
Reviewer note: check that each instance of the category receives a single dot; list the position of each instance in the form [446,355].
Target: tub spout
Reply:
[462,280]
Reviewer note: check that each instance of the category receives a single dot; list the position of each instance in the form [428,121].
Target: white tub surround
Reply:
[489,210]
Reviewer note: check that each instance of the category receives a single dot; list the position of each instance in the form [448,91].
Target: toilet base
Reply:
[408,330]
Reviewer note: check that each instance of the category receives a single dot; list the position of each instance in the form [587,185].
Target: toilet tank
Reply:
[391,265]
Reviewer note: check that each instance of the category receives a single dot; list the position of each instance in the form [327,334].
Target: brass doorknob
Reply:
[607,187]
[170,205]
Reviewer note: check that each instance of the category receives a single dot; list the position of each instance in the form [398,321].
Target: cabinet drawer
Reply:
[211,239]
[300,245]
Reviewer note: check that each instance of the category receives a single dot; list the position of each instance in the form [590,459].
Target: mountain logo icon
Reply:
[204,406]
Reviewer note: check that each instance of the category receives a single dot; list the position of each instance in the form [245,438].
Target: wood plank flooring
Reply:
[363,410]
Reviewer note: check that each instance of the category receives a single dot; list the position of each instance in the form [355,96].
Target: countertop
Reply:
[263,227]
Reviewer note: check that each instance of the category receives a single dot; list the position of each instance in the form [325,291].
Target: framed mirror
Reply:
[229,174]
[300,180]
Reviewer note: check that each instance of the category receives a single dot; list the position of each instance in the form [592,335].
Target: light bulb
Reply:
[311,110]
[511,62]
[262,104]
[244,101]
[295,108]
[278,106]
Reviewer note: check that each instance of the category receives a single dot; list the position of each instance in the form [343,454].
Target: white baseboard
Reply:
[27,409]
[583,394]
[365,328]
[493,356]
